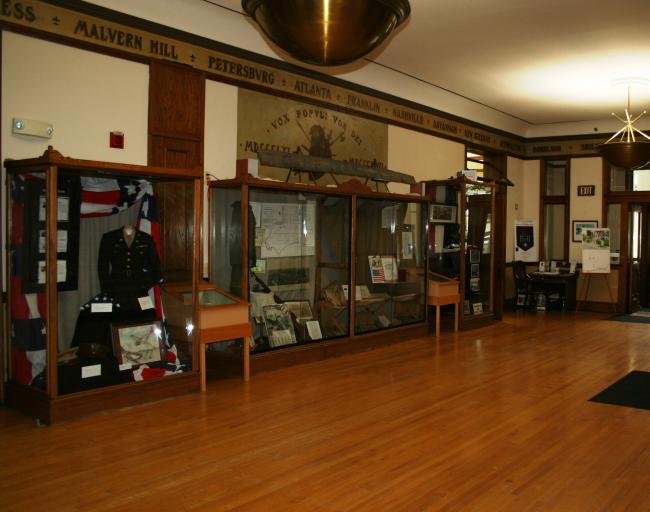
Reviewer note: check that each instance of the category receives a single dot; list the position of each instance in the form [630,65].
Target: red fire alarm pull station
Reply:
[117,140]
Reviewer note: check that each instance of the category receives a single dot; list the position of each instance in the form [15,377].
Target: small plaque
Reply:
[101,307]
[145,303]
[91,371]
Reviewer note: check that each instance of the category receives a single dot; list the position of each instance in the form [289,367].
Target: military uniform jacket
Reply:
[127,272]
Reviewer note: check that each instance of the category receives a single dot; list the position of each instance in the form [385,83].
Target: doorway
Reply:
[638,294]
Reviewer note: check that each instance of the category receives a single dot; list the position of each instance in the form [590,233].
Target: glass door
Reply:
[635,221]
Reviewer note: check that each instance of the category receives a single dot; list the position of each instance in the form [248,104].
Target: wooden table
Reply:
[564,283]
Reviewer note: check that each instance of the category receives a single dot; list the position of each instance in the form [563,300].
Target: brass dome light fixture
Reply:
[327,32]
[627,152]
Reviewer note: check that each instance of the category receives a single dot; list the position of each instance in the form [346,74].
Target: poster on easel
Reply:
[525,248]
[596,251]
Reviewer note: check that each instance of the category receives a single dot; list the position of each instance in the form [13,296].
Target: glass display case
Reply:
[222,316]
[461,216]
[297,261]
[288,248]
[391,258]
[90,257]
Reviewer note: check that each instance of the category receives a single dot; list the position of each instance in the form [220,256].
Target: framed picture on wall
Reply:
[442,213]
[580,225]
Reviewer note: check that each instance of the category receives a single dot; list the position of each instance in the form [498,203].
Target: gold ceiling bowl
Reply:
[627,152]
[628,155]
[327,32]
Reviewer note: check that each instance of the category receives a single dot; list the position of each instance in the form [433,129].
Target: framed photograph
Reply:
[474,256]
[139,343]
[477,308]
[580,225]
[279,327]
[442,213]
[301,309]
[475,269]
[521,299]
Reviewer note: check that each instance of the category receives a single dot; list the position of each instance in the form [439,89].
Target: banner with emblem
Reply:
[525,248]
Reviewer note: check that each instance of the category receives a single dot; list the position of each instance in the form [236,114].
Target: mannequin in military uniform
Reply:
[128,265]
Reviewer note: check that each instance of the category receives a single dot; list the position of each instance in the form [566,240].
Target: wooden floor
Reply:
[493,419]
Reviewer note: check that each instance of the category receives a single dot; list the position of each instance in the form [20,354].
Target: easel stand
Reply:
[587,284]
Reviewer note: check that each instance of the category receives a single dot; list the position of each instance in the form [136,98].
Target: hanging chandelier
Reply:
[627,152]
[327,32]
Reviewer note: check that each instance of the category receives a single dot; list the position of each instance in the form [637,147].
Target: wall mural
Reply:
[270,123]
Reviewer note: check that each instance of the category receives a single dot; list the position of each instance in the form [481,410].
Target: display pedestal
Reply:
[222,317]
[443,301]
[228,333]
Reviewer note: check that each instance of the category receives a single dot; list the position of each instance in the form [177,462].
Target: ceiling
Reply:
[540,62]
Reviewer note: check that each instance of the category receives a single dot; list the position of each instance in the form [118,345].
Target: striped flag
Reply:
[148,223]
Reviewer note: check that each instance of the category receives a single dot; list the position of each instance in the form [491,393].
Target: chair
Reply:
[523,284]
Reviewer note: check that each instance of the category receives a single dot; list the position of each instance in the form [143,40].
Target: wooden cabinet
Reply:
[87,294]
[462,217]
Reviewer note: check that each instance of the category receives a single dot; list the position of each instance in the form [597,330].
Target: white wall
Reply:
[596,127]
[84,95]
[530,196]
[423,156]
[515,203]
[220,147]
[585,171]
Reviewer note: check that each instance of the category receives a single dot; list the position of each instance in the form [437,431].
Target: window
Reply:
[555,179]
[475,160]
[637,180]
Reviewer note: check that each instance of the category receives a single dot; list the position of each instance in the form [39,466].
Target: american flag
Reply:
[101,197]
[148,223]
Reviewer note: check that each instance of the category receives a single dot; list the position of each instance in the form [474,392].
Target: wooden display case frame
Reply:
[469,321]
[315,350]
[48,406]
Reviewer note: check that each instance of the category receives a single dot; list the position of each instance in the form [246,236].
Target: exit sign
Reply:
[586,190]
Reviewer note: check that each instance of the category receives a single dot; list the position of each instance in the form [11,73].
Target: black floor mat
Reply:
[633,390]
[642,316]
